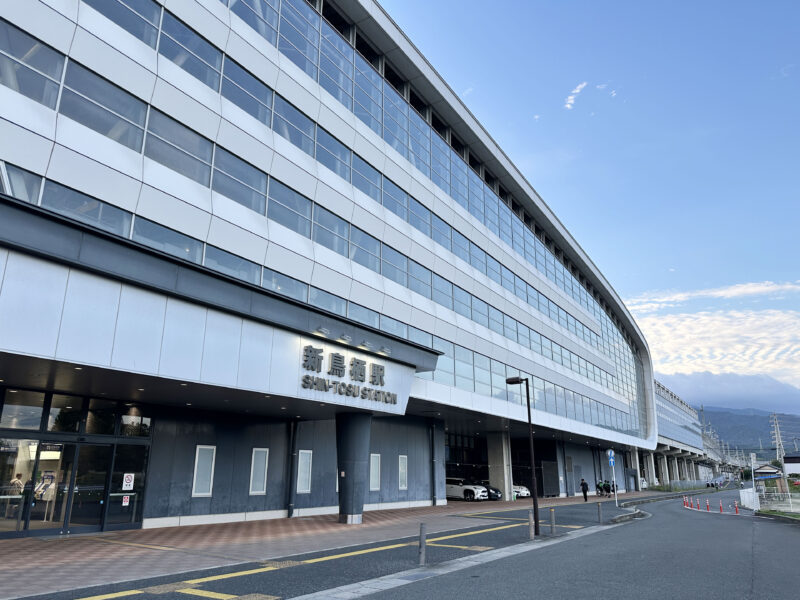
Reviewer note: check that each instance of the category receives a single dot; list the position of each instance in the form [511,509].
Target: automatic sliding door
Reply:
[50,494]
[89,490]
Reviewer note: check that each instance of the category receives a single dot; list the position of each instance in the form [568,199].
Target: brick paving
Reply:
[32,566]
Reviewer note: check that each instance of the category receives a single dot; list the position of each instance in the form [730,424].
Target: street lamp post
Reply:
[534,494]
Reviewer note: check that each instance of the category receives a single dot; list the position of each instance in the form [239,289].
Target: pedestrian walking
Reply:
[585,490]
[607,487]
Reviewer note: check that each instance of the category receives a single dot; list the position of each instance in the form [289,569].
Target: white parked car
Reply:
[520,491]
[458,488]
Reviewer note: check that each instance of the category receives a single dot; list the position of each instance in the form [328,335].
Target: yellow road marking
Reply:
[148,546]
[229,575]
[207,594]
[114,595]
[472,548]
[356,553]
[458,535]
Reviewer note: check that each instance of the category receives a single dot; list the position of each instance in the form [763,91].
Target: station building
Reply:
[258,260]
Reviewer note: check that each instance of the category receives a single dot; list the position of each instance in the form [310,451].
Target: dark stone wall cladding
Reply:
[176,435]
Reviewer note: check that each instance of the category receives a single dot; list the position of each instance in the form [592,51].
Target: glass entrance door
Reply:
[89,488]
[49,498]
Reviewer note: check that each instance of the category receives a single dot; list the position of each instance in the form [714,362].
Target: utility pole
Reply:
[776,437]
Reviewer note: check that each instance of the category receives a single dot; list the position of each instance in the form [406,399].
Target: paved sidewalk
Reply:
[33,566]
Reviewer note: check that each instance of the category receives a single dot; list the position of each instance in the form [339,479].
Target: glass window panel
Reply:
[423,338]
[293,125]
[260,15]
[304,471]
[138,17]
[395,199]
[366,178]
[86,209]
[419,279]
[441,232]
[166,240]
[402,470]
[246,91]
[331,231]
[327,301]
[232,265]
[419,217]
[550,397]
[24,184]
[135,421]
[178,148]
[30,51]
[462,302]
[461,246]
[189,51]
[365,249]
[393,326]
[239,181]
[65,413]
[394,265]
[374,472]
[477,258]
[203,482]
[101,418]
[333,154]
[289,208]
[22,409]
[284,285]
[442,291]
[363,315]
[258,471]
[480,311]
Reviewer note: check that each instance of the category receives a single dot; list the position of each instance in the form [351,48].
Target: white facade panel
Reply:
[88,320]
[98,147]
[23,147]
[182,343]
[31,302]
[255,354]
[28,114]
[221,349]
[140,325]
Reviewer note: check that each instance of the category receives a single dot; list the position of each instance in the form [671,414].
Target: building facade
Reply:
[258,260]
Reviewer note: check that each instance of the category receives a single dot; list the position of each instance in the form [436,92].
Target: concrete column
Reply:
[352,461]
[674,464]
[650,468]
[635,465]
[664,468]
[499,451]
[682,469]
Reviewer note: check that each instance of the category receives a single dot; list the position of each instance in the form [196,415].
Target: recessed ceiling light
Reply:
[297,416]
[69,407]
[79,368]
[283,408]
[322,404]
[140,389]
[188,404]
[184,384]
[1,381]
[266,396]
[12,391]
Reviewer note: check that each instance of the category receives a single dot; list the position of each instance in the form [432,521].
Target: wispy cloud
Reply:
[785,70]
[653,301]
[569,103]
[747,342]
[536,117]
[613,93]
[601,86]
[467,92]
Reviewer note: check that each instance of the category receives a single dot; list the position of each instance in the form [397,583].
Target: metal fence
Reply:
[779,501]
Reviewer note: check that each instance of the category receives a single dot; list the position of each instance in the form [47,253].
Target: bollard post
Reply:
[736,506]
[552,521]
[720,507]
[531,528]
[600,513]
[708,506]
[422,543]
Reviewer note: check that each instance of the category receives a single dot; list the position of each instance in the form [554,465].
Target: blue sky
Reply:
[666,137]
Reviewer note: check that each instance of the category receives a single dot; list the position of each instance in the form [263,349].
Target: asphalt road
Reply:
[676,554]
[305,574]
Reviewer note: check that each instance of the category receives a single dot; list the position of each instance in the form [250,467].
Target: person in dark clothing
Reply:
[585,490]
[607,487]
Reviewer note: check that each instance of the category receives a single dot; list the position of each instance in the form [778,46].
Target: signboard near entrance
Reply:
[126,500]
[127,482]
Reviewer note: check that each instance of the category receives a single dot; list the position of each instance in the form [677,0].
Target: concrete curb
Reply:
[635,514]
[699,492]
[780,518]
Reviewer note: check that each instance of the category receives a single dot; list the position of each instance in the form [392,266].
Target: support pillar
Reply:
[499,451]
[664,468]
[352,460]
[635,466]
[650,468]
[674,474]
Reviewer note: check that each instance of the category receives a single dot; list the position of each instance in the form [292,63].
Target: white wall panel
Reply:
[289,262]
[104,59]
[396,309]
[95,145]
[333,260]
[245,136]
[186,99]
[140,326]
[114,35]
[365,295]
[286,358]
[30,305]
[88,320]
[233,212]
[283,236]
[237,240]
[337,120]
[221,349]
[248,48]
[211,25]
[367,149]
[293,83]
[182,345]
[3,259]
[44,21]
[28,113]
[286,168]
[330,281]
[172,212]
[331,199]
[22,147]
[91,177]
[255,356]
